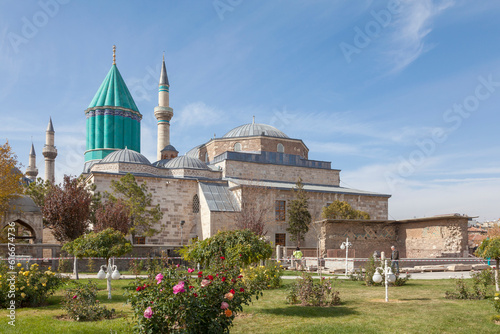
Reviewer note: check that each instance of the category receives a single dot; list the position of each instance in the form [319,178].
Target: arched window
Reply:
[196,204]
[281,148]
[237,147]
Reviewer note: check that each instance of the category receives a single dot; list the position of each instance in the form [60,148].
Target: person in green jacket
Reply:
[297,255]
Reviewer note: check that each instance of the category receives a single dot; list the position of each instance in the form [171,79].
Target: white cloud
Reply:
[413,24]
[198,114]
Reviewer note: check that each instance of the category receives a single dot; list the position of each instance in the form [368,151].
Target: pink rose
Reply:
[205,282]
[190,270]
[74,297]
[224,305]
[159,277]
[148,313]
[179,287]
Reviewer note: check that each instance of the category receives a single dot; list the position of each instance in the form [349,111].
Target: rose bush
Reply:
[81,303]
[263,277]
[29,287]
[176,302]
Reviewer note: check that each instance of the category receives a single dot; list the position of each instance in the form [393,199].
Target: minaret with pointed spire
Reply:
[50,153]
[163,112]
[32,171]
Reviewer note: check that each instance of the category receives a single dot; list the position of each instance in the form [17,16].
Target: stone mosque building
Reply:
[202,191]
[204,188]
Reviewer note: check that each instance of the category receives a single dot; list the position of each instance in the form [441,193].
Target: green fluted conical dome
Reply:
[113,92]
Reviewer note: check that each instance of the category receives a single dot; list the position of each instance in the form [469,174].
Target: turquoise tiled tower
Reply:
[113,119]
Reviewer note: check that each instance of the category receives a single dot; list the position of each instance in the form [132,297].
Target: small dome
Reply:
[194,152]
[186,162]
[169,148]
[126,155]
[254,129]
[161,163]
[23,203]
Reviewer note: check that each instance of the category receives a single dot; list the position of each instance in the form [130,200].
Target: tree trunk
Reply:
[75,267]
[496,274]
[109,278]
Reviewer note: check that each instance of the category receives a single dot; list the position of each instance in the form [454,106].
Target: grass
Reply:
[418,307]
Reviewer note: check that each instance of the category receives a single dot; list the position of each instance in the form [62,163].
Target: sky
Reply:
[401,96]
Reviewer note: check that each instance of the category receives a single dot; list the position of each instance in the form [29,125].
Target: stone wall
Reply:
[432,237]
[175,197]
[253,144]
[270,172]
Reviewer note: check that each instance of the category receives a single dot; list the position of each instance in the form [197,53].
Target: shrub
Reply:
[136,266]
[31,287]
[477,289]
[263,277]
[82,304]
[240,246]
[307,292]
[63,266]
[174,302]
[496,302]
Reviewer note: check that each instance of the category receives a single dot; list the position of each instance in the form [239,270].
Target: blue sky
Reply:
[402,96]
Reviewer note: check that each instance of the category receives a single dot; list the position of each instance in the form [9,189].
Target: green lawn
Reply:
[418,307]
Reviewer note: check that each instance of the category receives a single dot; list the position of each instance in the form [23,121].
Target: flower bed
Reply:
[174,301]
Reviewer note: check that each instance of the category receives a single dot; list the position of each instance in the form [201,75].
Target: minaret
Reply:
[163,112]
[50,153]
[32,171]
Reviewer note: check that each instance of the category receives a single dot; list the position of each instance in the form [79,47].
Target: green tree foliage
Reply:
[38,190]
[108,243]
[10,177]
[343,210]
[241,246]
[490,248]
[143,216]
[66,209]
[299,217]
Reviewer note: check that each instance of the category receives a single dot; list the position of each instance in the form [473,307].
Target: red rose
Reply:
[191,286]
[223,279]
[139,288]
[242,290]
[195,294]
[240,276]
[233,280]
[200,274]
[210,277]
[232,291]
[222,258]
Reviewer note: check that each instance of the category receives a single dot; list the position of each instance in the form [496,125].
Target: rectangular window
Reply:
[280,239]
[280,211]
[140,240]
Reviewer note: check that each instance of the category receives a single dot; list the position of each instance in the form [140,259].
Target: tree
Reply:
[10,177]
[343,210]
[113,214]
[138,200]
[66,209]
[299,216]
[107,244]
[490,248]
[256,206]
[239,246]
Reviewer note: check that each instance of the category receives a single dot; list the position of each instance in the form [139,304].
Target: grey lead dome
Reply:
[255,129]
[126,155]
[186,162]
